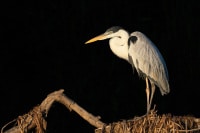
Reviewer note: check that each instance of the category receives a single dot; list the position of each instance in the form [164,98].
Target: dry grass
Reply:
[153,123]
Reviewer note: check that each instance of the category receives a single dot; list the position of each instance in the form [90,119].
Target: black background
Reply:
[42,50]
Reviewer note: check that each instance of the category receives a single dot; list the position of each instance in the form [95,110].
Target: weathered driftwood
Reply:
[34,120]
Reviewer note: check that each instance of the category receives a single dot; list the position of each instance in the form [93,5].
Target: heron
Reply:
[142,54]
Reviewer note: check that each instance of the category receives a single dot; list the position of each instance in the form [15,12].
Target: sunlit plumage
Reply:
[142,54]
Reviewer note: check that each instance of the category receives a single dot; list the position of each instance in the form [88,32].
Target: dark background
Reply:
[42,50]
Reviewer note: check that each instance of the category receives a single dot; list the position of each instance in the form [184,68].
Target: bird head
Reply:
[111,32]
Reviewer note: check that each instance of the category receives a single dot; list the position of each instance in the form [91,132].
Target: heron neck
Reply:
[119,46]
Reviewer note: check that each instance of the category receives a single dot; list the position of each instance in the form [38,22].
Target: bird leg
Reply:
[153,87]
[147,93]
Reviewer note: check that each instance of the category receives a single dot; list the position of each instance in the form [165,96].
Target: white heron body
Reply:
[142,54]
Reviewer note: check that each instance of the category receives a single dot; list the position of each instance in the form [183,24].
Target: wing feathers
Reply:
[147,60]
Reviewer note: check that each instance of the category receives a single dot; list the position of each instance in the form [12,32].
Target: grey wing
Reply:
[147,60]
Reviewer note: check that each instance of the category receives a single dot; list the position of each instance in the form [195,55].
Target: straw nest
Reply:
[154,123]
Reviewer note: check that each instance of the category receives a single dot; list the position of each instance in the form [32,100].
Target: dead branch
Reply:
[34,120]
[152,123]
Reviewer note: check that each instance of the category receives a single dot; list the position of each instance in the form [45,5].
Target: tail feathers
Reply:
[164,87]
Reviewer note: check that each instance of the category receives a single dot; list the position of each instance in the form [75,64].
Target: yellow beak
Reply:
[99,37]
